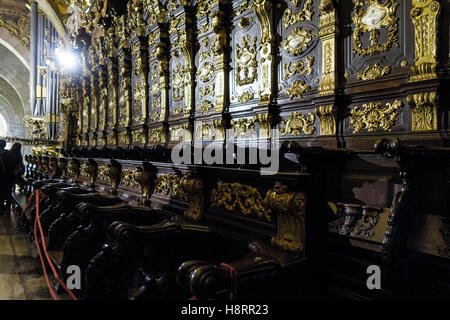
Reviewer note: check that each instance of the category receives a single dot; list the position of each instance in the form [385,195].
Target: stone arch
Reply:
[12,44]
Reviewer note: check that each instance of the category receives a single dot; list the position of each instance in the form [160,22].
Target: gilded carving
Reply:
[370,16]
[157,135]
[113,173]
[373,116]
[374,72]
[328,30]
[424,111]
[124,138]
[297,123]
[205,106]
[240,198]
[246,71]
[194,191]
[306,13]
[297,89]
[144,178]
[327,119]
[424,15]
[290,209]
[246,96]
[297,41]
[299,66]
[243,128]
[170,184]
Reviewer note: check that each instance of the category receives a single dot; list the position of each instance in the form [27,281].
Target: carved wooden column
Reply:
[424,15]
[212,75]
[112,87]
[125,94]
[102,114]
[326,109]
[182,73]
[139,81]
[158,101]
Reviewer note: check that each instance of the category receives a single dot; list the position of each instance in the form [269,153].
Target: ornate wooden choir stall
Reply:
[358,91]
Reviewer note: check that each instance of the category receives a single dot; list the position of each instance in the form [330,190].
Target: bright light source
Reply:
[67,60]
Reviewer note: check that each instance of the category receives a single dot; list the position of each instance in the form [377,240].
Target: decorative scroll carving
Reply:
[127,179]
[194,190]
[180,133]
[297,41]
[124,138]
[240,198]
[243,128]
[113,173]
[170,184]
[297,123]
[297,89]
[246,71]
[157,135]
[306,13]
[124,91]
[328,30]
[299,67]
[246,96]
[178,83]
[373,116]
[37,127]
[424,111]
[370,16]
[424,15]
[290,208]
[263,10]
[327,118]
[374,72]
[206,106]
[144,177]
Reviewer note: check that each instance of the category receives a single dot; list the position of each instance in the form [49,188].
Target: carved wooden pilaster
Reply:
[328,30]
[424,15]
[263,10]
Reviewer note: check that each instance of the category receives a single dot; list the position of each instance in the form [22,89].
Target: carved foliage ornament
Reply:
[373,116]
[306,13]
[297,41]
[374,72]
[424,16]
[246,71]
[424,111]
[240,198]
[371,16]
[297,123]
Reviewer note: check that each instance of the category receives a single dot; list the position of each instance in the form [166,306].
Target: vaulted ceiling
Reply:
[14,64]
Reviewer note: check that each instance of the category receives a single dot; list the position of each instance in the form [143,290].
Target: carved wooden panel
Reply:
[299,66]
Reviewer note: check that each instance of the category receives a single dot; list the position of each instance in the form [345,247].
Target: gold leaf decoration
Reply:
[374,72]
[297,123]
[240,198]
[297,89]
[424,111]
[169,184]
[299,67]
[297,41]
[373,116]
[370,16]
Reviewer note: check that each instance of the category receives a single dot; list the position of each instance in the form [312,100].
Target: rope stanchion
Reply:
[50,288]
[37,223]
[233,276]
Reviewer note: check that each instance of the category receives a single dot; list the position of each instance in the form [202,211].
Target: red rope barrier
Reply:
[233,276]
[55,273]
